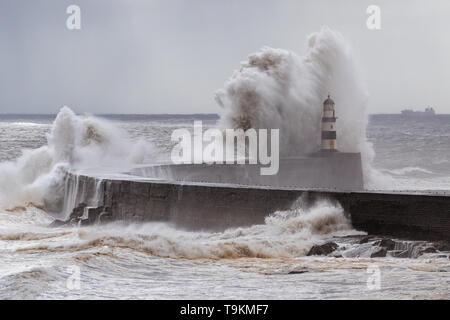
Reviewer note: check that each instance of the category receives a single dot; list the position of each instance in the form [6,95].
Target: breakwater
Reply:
[209,206]
[333,170]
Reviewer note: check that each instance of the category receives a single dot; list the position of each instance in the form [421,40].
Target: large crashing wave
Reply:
[285,234]
[278,89]
[74,142]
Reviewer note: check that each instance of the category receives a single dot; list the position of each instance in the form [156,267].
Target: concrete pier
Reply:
[333,170]
[207,206]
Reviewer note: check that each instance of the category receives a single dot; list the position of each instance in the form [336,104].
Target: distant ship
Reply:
[429,112]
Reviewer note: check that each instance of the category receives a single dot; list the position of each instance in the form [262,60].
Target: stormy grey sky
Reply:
[169,56]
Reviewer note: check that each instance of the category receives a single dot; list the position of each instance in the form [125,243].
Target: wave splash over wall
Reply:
[276,88]
[285,234]
[75,142]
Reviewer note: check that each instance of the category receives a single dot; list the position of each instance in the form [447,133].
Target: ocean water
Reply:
[159,261]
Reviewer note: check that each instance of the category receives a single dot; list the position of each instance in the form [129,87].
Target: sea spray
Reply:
[276,88]
[285,234]
[74,143]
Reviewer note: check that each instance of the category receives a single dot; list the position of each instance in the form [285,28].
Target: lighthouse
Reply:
[328,126]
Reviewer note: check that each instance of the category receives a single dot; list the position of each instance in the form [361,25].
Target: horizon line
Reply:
[159,114]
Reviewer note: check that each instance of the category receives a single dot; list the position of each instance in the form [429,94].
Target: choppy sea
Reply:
[159,261]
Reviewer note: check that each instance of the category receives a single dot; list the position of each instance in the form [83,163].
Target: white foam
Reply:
[407,170]
[284,234]
[276,88]
[74,143]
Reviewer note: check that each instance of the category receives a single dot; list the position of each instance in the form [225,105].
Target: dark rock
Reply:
[379,253]
[388,244]
[443,245]
[78,211]
[322,250]
[82,222]
[428,250]
[364,239]
[94,215]
[297,271]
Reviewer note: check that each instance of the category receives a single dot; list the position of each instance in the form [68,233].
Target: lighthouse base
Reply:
[324,152]
[322,170]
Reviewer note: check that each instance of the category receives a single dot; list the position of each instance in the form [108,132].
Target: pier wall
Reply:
[202,206]
[332,170]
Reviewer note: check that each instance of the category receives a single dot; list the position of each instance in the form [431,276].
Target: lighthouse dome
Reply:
[329,101]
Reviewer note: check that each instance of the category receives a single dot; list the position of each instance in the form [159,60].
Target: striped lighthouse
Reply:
[328,126]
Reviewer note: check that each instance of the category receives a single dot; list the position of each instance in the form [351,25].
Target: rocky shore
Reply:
[373,246]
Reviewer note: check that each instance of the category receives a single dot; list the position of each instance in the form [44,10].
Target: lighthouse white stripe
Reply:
[328,114]
[328,126]
[328,144]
